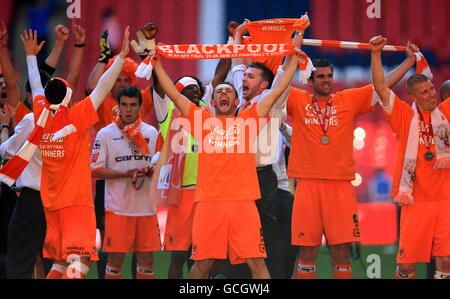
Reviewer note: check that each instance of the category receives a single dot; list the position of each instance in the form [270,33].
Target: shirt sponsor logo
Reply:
[221,138]
[51,149]
[423,138]
[132,157]
[311,117]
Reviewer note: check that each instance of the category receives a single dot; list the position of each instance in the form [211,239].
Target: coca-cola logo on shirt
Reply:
[311,117]
[224,138]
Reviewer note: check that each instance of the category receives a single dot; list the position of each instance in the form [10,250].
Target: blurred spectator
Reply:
[112,25]
[380,186]
[38,15]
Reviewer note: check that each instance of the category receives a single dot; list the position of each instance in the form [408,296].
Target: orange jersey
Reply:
[105,111]
[66,172]
[429,183]
[309,159]
[231,174]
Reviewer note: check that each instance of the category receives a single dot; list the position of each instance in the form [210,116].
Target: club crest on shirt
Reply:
[133,148]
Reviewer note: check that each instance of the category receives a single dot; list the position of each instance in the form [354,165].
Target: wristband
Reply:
[79,45]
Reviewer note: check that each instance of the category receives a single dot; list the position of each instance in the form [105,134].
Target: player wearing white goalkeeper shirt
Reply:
[122,155]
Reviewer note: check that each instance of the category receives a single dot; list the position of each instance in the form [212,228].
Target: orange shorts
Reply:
[424,231]
[226,228]
[324,207]
[178,235]
[131,233]
[70,230]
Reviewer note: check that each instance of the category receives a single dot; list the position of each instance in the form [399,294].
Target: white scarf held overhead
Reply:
[441,136]
[422,66]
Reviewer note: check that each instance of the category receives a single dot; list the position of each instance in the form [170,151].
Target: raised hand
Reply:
[3,36]
[231,27]
[30,42]
[125,43]
[243,28]
[5,117]
[61,33]
[79,33]
[411,49]
[150,30]
[377,43]
[305,17]
[145,39]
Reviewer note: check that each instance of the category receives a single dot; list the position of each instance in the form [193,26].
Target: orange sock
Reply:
[113,273]
[342,271]
[305,270]
[76,270]
[56,272]
[144,273]
[400,275]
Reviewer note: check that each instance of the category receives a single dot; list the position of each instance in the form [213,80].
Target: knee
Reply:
[443,264]
[115,260]
[256,264]
[308,254]
[340,253]
[204,266]
[407,268]
[145,259]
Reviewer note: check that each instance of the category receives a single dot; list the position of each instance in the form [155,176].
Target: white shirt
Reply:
[209,90]
[116,152]
[279,167]
[161,106]
[266,145]
[31,175]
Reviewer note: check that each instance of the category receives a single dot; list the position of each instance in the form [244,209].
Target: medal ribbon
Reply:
[427,133]
[323,119]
